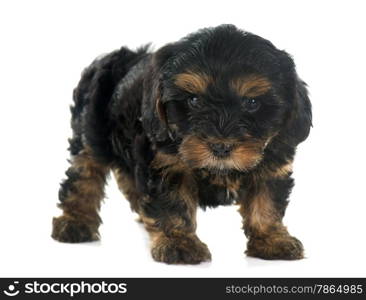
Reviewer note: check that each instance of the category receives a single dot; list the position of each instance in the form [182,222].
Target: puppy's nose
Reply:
[220,150]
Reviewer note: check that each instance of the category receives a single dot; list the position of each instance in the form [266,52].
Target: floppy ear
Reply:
[154,116]
[157,94]
[298,121]
[163,131]
[300,118]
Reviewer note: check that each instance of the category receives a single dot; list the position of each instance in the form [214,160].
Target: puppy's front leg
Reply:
[263,210]
[170,219]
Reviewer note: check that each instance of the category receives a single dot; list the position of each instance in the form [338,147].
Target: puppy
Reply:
[213,119]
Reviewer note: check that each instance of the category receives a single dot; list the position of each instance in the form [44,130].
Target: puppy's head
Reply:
[223,95]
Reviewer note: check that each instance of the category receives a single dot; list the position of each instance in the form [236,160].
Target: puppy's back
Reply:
[92,97]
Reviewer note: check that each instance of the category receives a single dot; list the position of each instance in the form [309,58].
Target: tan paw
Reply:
[69,230]
[284,247]
[180,250]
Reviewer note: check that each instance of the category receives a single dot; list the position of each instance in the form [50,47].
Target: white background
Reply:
[44,47]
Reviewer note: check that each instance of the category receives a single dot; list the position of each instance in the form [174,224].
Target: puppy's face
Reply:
[219,101]
[225,121]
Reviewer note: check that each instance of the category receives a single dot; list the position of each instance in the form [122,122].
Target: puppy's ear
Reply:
[299,119]
[154,117]
[160,109]
[157,87]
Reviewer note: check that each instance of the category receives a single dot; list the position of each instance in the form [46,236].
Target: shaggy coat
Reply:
[213,119]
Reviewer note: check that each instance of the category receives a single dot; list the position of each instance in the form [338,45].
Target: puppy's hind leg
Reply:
[80,197]
[127,186]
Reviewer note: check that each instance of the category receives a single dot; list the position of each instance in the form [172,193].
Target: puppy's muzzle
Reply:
[221,150]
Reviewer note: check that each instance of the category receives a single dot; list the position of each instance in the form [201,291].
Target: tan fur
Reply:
[150,226]
[89,188]
[189,195]
[87,165]
[259,214]
[232,185]
[251,86]
[127,186]
[268,173]
[181,248]
[283,171]
[268,237]
[80,219]
[195,83]
[244,156]
[169,165]
[175,240]
[163,160]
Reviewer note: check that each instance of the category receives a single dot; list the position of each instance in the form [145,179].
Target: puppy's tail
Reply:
[92,96]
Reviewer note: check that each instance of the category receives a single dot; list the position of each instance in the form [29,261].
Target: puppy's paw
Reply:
[180,250]
[70,230]
[284,247]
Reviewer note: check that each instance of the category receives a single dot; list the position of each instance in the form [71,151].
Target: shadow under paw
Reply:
[69,230]
[284,247]
[180,250]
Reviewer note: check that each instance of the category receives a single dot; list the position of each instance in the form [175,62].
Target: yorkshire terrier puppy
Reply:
[213,119]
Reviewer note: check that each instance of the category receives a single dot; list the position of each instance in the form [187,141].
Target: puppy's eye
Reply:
[251,105]
[193,101]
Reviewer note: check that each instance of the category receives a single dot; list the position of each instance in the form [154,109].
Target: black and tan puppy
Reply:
[213,119]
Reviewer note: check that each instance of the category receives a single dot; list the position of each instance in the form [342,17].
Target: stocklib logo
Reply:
[12,291]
